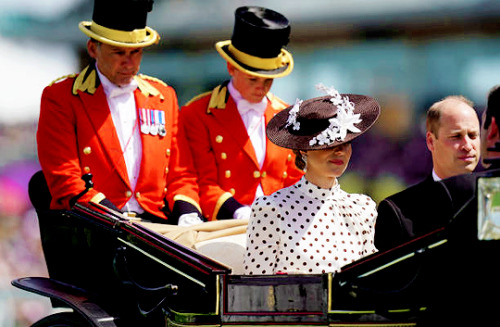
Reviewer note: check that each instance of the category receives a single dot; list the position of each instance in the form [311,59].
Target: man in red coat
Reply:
[226,127]
[119,126]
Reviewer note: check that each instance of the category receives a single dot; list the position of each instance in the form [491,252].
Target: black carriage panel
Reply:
[283,299]
[396,285]
[150,260]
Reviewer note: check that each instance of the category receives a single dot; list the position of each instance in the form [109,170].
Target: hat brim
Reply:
[151,37]
[279,134]
[223,49]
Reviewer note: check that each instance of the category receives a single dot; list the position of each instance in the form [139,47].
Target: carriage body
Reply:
[114,272]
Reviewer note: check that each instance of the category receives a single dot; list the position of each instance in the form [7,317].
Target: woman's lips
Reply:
[337,162]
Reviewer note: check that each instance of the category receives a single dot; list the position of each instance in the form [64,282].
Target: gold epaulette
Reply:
[151,78]
[217,100]
[276,102]
[146,87]
[86,81]
[199,96]
[61,78]
[219,97]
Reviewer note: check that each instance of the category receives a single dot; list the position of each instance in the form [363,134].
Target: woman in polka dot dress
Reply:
[314,226]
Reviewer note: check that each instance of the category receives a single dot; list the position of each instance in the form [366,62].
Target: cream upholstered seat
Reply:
[223,241]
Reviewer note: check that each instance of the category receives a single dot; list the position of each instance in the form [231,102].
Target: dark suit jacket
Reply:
[415,211]
[469,266]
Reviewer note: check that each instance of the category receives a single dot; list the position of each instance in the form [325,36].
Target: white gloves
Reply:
[242,213]
[189,219]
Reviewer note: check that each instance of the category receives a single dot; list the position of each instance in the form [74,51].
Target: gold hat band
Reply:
[260,63]
[135,36]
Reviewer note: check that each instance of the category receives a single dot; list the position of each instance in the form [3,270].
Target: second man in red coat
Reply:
[226,127]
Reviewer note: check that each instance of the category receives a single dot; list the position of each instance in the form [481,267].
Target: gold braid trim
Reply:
[187,199]
[151,78]
[222,199]
[276,102]
[199,96]
[61,78]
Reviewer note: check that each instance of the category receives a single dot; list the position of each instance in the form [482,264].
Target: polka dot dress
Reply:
[308,229]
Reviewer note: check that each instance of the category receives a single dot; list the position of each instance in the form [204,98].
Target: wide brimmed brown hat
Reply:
[323,122]
[256,46]
[121,23]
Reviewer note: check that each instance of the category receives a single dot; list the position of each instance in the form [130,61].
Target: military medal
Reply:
[162,131]
[153,127]
[143,114]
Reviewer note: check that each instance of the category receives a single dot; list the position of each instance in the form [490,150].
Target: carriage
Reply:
[108,270]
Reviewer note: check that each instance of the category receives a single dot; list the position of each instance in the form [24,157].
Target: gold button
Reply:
[219,139]
[138,194]
[256,174]
[227,173]
[166,170]
[232,191]
[128,194]
[87,169]
[289,157]
[165,190]
[285,174]
[87,150]
[167,152]
[264,174]
[223,156]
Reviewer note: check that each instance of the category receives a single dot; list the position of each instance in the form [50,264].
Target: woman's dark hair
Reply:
[299,161]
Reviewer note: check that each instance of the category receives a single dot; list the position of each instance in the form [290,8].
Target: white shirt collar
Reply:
[244,105]
[435,177]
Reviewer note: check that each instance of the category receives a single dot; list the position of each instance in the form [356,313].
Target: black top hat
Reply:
[256,46]
[323,122]
[121,23]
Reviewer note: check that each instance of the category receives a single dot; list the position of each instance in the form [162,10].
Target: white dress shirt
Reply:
[253,117]
[123,110]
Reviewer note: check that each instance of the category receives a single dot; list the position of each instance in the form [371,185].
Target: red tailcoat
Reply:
[224,155]
[76,135]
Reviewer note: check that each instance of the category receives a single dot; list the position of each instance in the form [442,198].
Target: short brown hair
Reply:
[432,122]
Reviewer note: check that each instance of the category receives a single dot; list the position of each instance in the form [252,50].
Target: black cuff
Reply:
[227,210]
[109,204]
[180,208]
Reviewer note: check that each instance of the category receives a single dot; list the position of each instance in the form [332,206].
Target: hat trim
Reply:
[257,62]
[282,131]
[136,38]
[285,57]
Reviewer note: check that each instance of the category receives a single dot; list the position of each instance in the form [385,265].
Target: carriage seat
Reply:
[223,240]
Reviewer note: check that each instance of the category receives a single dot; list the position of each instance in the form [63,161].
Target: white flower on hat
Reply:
[342,123]
[292,116]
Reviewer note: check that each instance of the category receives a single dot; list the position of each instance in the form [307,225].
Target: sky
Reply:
[28,66]
[41,8]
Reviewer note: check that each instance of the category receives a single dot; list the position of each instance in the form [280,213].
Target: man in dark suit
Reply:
[467,265]
[470,296]
[453,139]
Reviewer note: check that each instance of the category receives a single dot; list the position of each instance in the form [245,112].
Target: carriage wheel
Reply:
[62,319]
